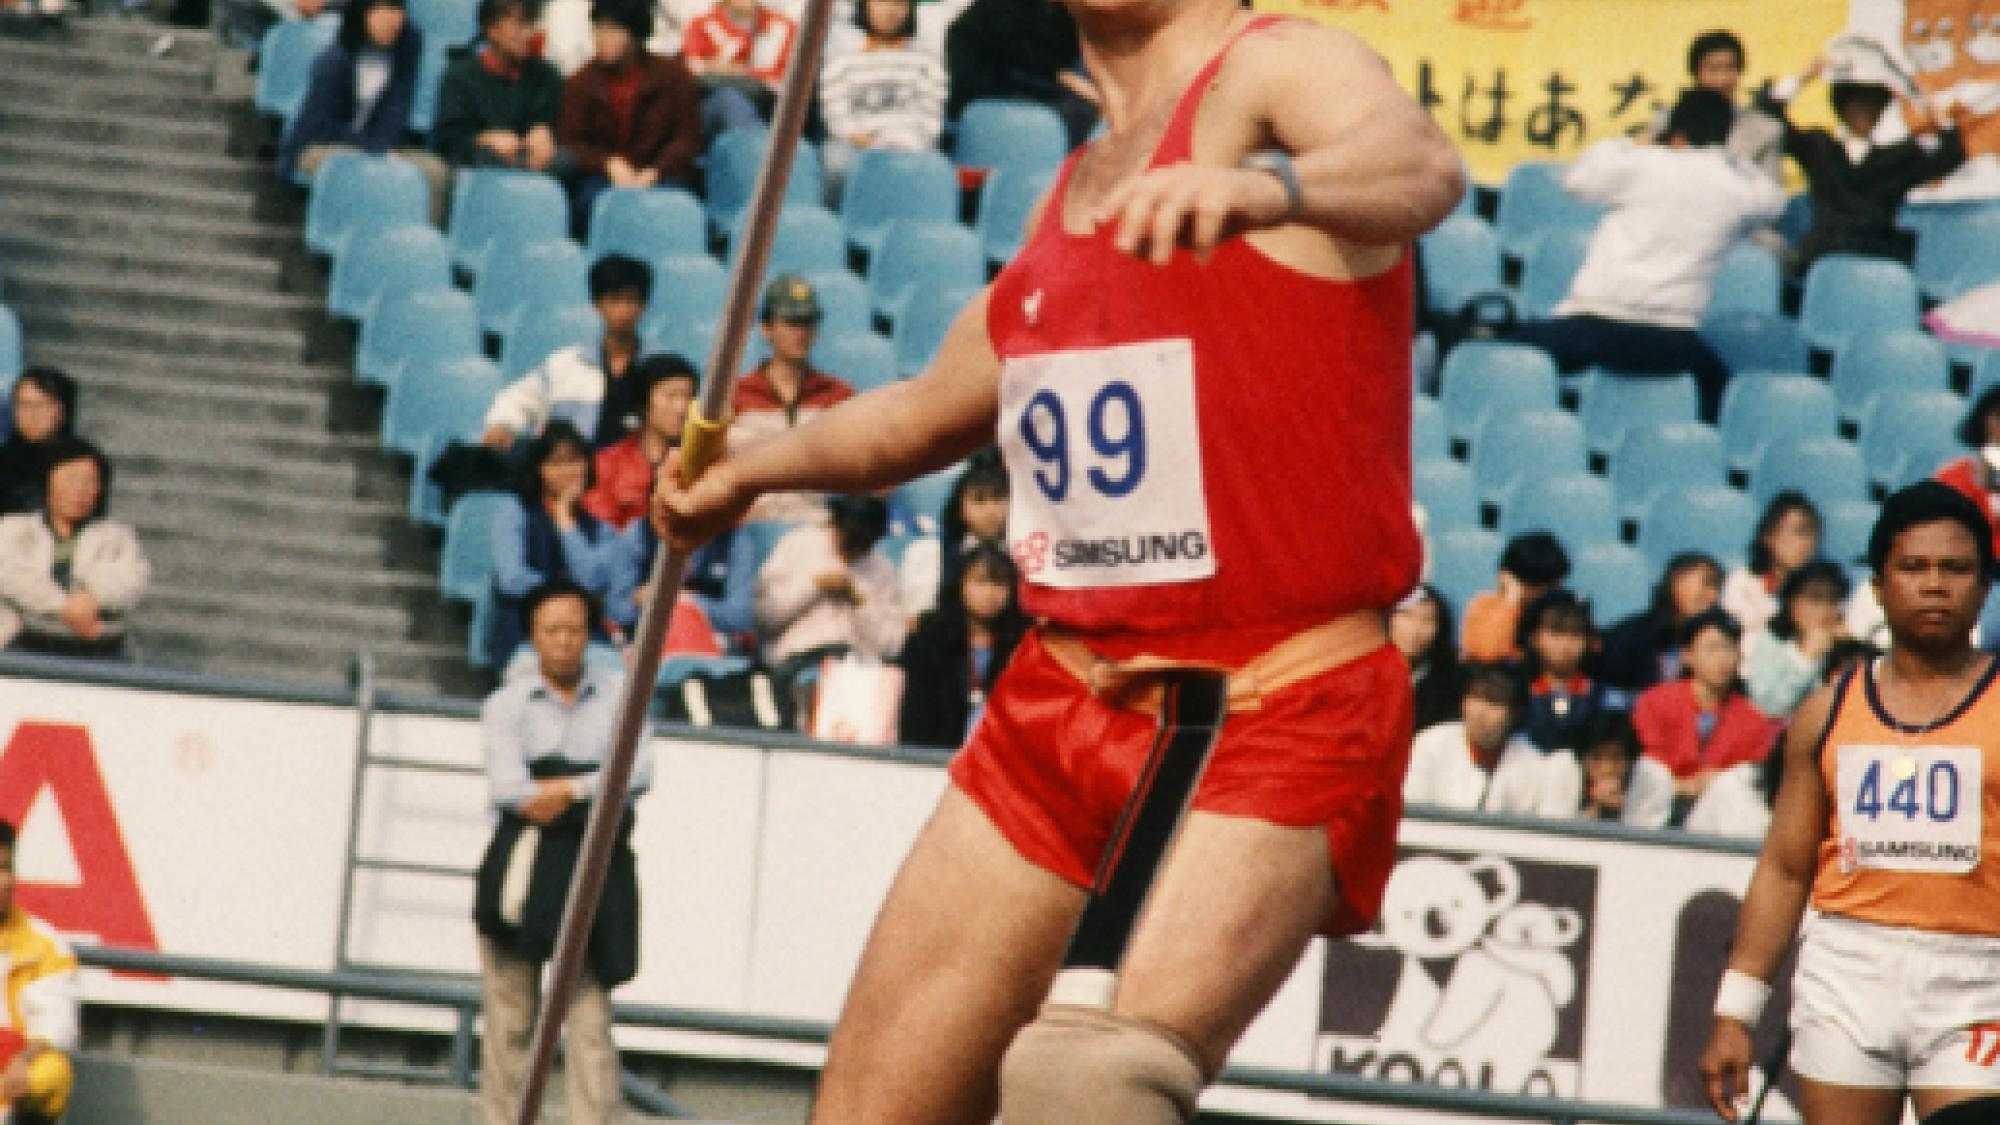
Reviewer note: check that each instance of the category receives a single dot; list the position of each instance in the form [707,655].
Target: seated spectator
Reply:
[1645,283]
[43,412]
[826,592]
[1532,565]
[1421,629]
[975,512]
[1703,723]
[1479,763]
[1783,661]
[359,98]
[626,467]
[740,51]
[1977,474]
[958,649]
[41,1017]
[785,390]
[630,119]
[547,536]
[1007,49]
[69,574]
[588,386]
[1613,780]
[886,93]
[1857,185]
[717,606]
[1644,649]
[1557,639]
[1787,538]
[1716,61]
[497,105]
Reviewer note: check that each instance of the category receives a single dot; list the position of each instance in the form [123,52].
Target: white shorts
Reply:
[1893,1008]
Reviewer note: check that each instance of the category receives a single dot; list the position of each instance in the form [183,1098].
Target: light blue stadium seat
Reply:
[447,398]
[1612,404]
[922,327]
[1005,133]
[480,628]
[1576,508]
[465,569]
[1959,254]
[920,502]
[1463,562]
[550,274]
[430,79]
[1428,441]
[10,345]
[543,330]
[1748,281]
[1005,201]
[384,265]
[733,163]
[1902,433]
[647,224]
[1826,469]
[691,339]
[1759,410]
[678,669]
[886,187]
[492,207]
[1846,295]
[1712,519]
[356,192]
[450,22]
[1656,459]
[1878,364]
[1481,376]
[430,326]
[686,287]
[1549,269]
[1533,202]
[843,301]
[1461,258]
[763,536]
[1748,341]
[865,359]
[808,241]
[285,58]
[918,256]
[1614,578]
[1844,529]
[1445,489]
[1510,448]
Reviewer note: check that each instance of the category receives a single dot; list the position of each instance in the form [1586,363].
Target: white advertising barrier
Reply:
[1510,959]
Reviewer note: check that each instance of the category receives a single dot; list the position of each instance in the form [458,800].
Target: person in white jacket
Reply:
[587,385]
[1480,763]
[827,591]
[1610,779]
[68,575]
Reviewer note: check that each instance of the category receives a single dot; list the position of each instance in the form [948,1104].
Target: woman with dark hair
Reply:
[1421,629]
[887,93]
[1787,538]
[1977,474]
[1615,780]
[68,575]
[974,512]
[42,410]
[1704,723]
[360,95]
[1644,649]
[630,118]
[1782,661]
[1531,565]
[1556,639]
[959,649]
[547,535]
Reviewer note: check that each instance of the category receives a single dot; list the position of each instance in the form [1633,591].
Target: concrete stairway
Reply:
[151,255]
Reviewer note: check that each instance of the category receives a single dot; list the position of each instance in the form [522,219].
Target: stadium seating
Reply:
[355,192]
[1756,411]
[1550,267]
[1427,437]
[1656,459]
[692,340]
[543,330]
[885,187]
[1461,258]
[686,287]
[1750,341]
[921,329]
[490,206]
[1613,578]
[647,225]
[285,57]
[997,133]
[1959,254]
[1878,364]
[1005,201]
[549,274]
[865,359]
[920,502]
[1748,281]
[1463,562]
[1576,508]
[1480,377]
[917,256]
[10,345]
[1612,404]
[450,22]
[430,78]
[1536,445]
[430,326]
[1899,427]
[386,264]
[1712,519]
[1444,488]
[465,570]
[1533,202]
[843,301]
[1826,469]
[733,163]
[1846,295]
[1844,530]
[448,398]
[808,241]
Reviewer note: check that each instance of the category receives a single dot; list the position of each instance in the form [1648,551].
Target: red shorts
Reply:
[1052,766]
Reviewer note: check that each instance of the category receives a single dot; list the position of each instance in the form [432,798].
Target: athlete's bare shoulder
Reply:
[1293,49]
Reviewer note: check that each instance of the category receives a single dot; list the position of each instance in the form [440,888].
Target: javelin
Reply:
[701,445]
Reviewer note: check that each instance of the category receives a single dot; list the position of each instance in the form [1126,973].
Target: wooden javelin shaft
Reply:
[700,448]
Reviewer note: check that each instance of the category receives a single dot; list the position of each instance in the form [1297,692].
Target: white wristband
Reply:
[1741,997]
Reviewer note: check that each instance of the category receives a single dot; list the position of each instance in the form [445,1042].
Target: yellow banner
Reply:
[1514,80]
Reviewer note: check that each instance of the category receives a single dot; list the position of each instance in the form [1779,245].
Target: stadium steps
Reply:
[153,258]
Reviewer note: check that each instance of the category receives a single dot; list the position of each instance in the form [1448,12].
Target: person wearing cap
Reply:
[630,118]
[587,385]
[785,391]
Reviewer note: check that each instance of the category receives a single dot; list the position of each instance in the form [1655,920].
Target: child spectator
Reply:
[785,390]
[359,98]
[826,591]
[1645,649]
[626,467]
[588,386]
[1563,700]
[975,512]
[1704,723]
[1421,630]
[42,411]
[1614,780]
[68,574]
[1479,763]
[1787,538]
[498,102]
[630,119]
[958,649]
[1977,474]
[740,51]
[546,535]
[1783,661]
[1532,565]
[887,93]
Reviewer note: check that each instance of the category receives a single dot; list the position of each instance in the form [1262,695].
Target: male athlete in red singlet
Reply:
[1198,370]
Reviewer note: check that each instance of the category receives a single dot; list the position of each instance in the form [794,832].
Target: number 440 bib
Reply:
[1909,808]
[1103,451]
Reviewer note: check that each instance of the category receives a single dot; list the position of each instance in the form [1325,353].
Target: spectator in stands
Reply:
[886,93]
[1645,283]
[697,625]
[1977,474]
[1716,61]
[39,1023]
[785,390]
[1644,649]
[588,386]
[546,736]
[1783,660]
[740,51]
[68,573]
[546,535]
[974,512]
[1421,630]
[1007,49]
[1557,640]
[1857,185]
[1787,538]
[630,118]
[1613,779]
[958,649]
[1480,762]
[359,98]
[626,467]
[498,103]
[1532,565]
[826,592]
[1703,723]
[42,411]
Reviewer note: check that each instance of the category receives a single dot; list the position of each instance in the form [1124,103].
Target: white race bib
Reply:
[1909,808]
[1103,451]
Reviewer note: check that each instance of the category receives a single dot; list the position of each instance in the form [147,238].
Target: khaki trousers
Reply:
[513,994]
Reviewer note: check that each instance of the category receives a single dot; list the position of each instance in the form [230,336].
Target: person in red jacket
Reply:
[625,468]
[1704,723]
[630,119]
[740,49]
